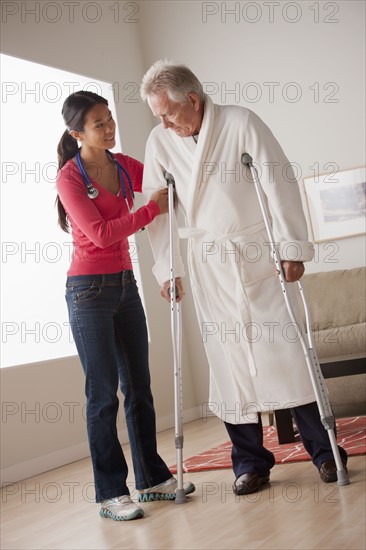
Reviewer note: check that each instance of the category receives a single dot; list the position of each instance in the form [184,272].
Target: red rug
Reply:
[351,435]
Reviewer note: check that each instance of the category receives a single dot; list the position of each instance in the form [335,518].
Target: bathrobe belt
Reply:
[198,233]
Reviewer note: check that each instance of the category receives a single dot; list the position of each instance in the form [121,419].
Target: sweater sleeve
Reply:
[282,192]
[84,213]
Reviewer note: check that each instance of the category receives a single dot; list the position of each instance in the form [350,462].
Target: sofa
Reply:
[337,304]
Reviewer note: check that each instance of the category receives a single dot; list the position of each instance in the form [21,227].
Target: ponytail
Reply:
[66,150]
[63,222]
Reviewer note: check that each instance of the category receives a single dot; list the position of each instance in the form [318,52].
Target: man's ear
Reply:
[195,100]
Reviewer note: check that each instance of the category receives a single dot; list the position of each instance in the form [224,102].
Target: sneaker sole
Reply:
[150,497]
[134,515]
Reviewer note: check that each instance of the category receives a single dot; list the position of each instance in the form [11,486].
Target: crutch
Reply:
[176,329]
[317,379]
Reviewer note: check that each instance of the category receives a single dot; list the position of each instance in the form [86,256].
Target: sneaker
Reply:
[164,491]
[121,509]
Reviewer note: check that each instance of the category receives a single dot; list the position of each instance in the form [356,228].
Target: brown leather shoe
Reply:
[249,483]
[328,471]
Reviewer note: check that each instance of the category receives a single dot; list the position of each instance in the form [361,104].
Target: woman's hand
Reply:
[161,199]
[165,290]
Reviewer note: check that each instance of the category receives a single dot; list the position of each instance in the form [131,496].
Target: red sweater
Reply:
[100,226]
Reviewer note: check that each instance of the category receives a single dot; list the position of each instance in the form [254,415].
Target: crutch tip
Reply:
[342,477]
[180,496]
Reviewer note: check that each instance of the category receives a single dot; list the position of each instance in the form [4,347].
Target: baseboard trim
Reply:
[44,463]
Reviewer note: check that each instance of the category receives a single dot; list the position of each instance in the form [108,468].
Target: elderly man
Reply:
[255,357]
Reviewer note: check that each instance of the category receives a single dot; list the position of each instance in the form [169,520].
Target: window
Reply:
[35,252]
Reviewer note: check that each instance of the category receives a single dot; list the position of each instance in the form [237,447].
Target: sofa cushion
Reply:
[347,395]
[340,343]
[336,298]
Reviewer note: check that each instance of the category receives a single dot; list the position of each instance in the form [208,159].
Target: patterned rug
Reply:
[351,434]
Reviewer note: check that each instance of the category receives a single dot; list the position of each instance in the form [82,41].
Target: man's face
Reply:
[184,119]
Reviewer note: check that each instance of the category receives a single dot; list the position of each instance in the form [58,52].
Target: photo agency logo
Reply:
[118,12]
[251,252]
[223,92]
[52,412]
[37,252]
[272,92]
[251,332]
[49,492]
[237,413]
[55,92]
[269,171]
[32,331]
[291,492]
[270,12]
[46,332]
[267,332]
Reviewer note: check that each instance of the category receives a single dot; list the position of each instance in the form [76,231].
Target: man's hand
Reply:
[293,270]
[165,290]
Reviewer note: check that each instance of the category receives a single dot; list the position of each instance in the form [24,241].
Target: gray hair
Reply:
[176,80]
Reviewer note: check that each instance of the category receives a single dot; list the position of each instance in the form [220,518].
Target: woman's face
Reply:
[99,128]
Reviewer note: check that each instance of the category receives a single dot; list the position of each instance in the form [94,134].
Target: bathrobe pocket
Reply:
[256,262]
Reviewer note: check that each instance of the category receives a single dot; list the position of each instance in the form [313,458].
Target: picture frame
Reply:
[336,204]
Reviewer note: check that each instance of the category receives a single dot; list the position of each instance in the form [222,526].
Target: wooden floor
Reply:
[55,510]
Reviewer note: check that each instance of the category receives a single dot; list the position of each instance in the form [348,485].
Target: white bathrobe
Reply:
[255,357]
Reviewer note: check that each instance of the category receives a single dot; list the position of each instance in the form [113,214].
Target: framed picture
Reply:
[336,204]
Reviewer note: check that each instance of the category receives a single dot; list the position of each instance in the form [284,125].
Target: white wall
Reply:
[227,52]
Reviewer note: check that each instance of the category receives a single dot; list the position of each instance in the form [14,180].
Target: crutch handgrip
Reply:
[169,178]
[246,159]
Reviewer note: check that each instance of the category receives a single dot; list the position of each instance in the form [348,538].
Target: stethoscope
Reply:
[122,172]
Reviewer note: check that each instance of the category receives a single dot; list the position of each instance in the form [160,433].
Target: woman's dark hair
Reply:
[74,111]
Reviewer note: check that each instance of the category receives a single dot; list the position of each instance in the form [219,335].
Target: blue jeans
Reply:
[109,328]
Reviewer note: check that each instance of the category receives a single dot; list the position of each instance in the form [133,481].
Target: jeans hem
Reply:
[141,487]
[112,493]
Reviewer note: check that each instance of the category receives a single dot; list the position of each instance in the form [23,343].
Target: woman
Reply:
[95,199]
